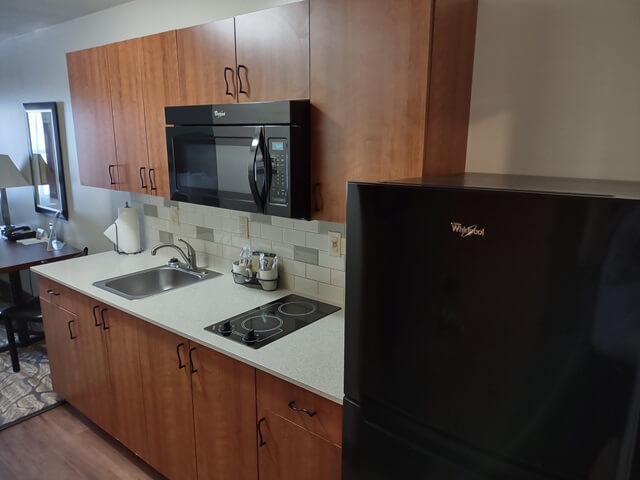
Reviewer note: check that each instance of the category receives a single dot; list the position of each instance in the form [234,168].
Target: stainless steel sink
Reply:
[153,281]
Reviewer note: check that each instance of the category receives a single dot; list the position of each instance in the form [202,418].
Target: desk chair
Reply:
[22,315]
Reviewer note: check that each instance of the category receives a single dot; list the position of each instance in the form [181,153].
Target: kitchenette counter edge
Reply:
[312,357]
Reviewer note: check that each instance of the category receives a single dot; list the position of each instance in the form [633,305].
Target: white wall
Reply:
[33,69]
[556,89]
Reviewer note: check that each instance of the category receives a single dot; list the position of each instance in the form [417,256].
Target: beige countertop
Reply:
[312,357]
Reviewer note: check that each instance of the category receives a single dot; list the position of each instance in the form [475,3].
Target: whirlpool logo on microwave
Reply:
[467,231]
[219,113]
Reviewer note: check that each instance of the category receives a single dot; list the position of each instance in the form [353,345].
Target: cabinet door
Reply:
[121,336]
[369,92]
[166,382]
[92,117]
[125,79]
[289,452]
[61,337]
[207,60]
[273,53]
[224,411]
[93,367]
[161,88]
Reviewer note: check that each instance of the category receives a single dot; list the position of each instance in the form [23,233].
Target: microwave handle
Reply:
[257,149]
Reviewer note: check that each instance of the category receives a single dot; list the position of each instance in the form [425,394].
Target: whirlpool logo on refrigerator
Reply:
[467,231]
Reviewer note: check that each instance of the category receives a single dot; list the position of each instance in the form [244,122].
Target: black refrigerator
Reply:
[492,329]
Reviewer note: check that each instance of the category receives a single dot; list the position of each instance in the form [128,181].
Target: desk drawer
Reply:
[323,417]
[59,295]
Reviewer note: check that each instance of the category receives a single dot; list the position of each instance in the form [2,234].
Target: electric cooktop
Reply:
[262,325]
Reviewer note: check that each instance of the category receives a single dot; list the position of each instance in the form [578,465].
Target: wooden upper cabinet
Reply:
[207,60]
[224,413]
[124,60]
[272,49]
[377,89]
[92,117]
[161,88]
[166,382]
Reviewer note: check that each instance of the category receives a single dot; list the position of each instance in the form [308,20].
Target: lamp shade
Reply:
[10,176]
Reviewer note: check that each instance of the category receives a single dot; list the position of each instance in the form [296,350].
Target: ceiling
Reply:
[18,17]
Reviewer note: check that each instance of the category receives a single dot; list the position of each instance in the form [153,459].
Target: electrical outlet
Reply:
[335,242]
[244,227]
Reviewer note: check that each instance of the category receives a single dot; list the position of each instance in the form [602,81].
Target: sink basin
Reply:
[153,281]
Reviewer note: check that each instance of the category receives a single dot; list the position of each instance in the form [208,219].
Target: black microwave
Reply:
[252,157]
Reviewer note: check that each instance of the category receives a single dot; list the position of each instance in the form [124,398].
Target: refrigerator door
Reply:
[507,321]
[381,447]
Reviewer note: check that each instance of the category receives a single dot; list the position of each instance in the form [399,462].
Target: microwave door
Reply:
[258,168]
[208,166]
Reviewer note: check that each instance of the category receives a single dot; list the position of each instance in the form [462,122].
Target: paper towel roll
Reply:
[128,230]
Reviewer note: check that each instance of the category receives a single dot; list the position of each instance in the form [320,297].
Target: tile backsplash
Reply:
[306,267]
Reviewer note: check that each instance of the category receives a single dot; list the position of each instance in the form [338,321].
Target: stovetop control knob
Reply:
[250,337]
[225,329]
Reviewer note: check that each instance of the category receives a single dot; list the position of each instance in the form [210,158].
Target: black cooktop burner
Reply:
[263,325]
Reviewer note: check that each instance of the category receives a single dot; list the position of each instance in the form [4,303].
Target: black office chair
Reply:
[23,315]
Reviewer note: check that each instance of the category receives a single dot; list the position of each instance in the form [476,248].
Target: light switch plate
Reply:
[244,226]
[335,242]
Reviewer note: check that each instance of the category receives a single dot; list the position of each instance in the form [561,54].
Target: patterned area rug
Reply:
[28,392]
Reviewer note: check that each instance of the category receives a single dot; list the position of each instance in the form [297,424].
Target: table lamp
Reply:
[10,177]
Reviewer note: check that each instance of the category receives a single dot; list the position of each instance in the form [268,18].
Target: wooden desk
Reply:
[15,257]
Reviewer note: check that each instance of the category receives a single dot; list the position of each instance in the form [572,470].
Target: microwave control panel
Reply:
[279,190]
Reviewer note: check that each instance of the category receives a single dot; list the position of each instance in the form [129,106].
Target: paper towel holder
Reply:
[116,246]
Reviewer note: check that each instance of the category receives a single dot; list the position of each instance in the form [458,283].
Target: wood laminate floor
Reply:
[62,444]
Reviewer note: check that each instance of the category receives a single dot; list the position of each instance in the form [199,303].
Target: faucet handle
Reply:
[190,249]
[191,253]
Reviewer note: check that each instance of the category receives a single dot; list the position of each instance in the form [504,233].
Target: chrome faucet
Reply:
[189,257]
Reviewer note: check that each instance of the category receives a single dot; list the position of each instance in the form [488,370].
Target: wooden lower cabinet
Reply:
[168,408]
[289,452]
[121,340]
[224,413]
[60,329]
[93,366]
[188,411]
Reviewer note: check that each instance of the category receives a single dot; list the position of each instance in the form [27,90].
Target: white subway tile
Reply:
[231,224]
[164,213]
[336,263]
[213,248]
[286,280]
[294,267]
[260,244]
[282,222]
[305,286]
[331,293]
[213,221]
[283,250]
[222,237]
[271,233]
[306,226]
[321,274]
[187,230]
[254,229]
[232,253]
[318,240]
[191,216]
[239,241]
[337,278]
[294,237]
